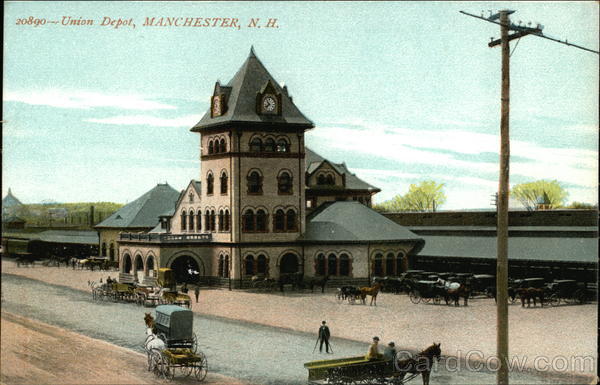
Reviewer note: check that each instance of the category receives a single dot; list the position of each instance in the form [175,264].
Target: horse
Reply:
[419,364]
[153,344]
[295,279]
[455,290]
[350,293]
[529,294]
[317,281]
[149,320]
[372,291]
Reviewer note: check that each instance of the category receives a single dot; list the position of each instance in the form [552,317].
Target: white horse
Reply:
[447,284]
[152,345]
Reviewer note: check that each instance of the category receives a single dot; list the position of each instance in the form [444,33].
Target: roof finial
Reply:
[252,54]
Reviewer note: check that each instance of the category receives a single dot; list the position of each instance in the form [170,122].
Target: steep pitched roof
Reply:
[313,161]
[241,93]
[355,222]
[10,200]
[144,211]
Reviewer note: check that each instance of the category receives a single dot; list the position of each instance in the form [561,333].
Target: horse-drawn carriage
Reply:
[566,290]
[171,344]
[168,294]
[483,284]
[426,291]
[360,370]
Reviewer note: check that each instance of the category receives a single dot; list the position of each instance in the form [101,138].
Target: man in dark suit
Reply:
[324,335]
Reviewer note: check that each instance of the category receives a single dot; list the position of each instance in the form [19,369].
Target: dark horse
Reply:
[454,294]
[294,279]
[529,294]
[419,364]
[317,281]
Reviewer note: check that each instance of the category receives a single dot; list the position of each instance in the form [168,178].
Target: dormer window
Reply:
[191,197]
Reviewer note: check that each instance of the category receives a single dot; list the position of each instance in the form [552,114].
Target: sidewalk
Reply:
[564,331]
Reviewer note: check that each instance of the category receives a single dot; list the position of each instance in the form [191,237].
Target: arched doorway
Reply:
[126,264]
[181,267]
[288,264]
[150,271]
[139,268]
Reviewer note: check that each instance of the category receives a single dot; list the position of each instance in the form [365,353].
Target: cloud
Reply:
[147,120]
[79,99]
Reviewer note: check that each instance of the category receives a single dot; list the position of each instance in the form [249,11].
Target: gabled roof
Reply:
[10,200]
[241,93]
[144,211]
[13,219]
[197,187]
[313,161]
[355,222]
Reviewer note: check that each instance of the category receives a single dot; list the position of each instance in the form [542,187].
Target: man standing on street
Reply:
[197,292]
[324,335]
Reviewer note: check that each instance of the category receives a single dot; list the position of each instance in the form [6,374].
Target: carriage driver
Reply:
[373,353]
[389,353]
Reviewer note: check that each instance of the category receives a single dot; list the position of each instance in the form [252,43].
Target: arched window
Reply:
[261,265]
[191,197]
[183,220]
[191,220]
[254,183]
[199,220]
[400,263]
[269,145]
[209,184]
[321,179]
[213,219]
[256,145]
[390,264]
[221,220]
[344,265]
[284,183]
[329,179]
[331,265]
[249,265]
[226,219]
[222,146]
[279,220]
[282,146]
[248,220]
[378,265]
[291,220]
[261,220]
[210,147]
[207,220]
[320,267]
[221,265]
[224,180]
[103,249]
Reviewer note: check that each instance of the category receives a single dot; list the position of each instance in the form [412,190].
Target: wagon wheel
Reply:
[437,299]
[157,363]
[414,297]
[554,300]
[194,346]
[201,367]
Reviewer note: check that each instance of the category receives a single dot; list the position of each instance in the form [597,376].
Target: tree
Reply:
[581,206]
[540,194]
[426,196]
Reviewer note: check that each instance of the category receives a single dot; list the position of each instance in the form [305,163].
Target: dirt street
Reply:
[37,353]
[551,332]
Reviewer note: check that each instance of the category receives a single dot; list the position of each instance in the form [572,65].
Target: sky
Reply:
[400,91]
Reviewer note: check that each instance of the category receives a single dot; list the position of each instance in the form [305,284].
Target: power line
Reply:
[537,31]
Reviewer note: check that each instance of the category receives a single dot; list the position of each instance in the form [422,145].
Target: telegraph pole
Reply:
[502,212]
[503,184]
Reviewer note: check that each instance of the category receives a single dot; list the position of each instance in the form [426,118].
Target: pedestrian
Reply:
[197,292]
[389,353]
[73,263]
[184,288]
[373,353]
[324,335]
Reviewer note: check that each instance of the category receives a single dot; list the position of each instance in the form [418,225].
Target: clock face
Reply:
[216,111]
[269,104]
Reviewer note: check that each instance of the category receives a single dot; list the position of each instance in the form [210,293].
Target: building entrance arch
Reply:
[187,269]
[288,264]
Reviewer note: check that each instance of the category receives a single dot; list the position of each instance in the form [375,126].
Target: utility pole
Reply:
[503,184]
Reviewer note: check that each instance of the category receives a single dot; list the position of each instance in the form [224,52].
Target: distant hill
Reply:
[67,214]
